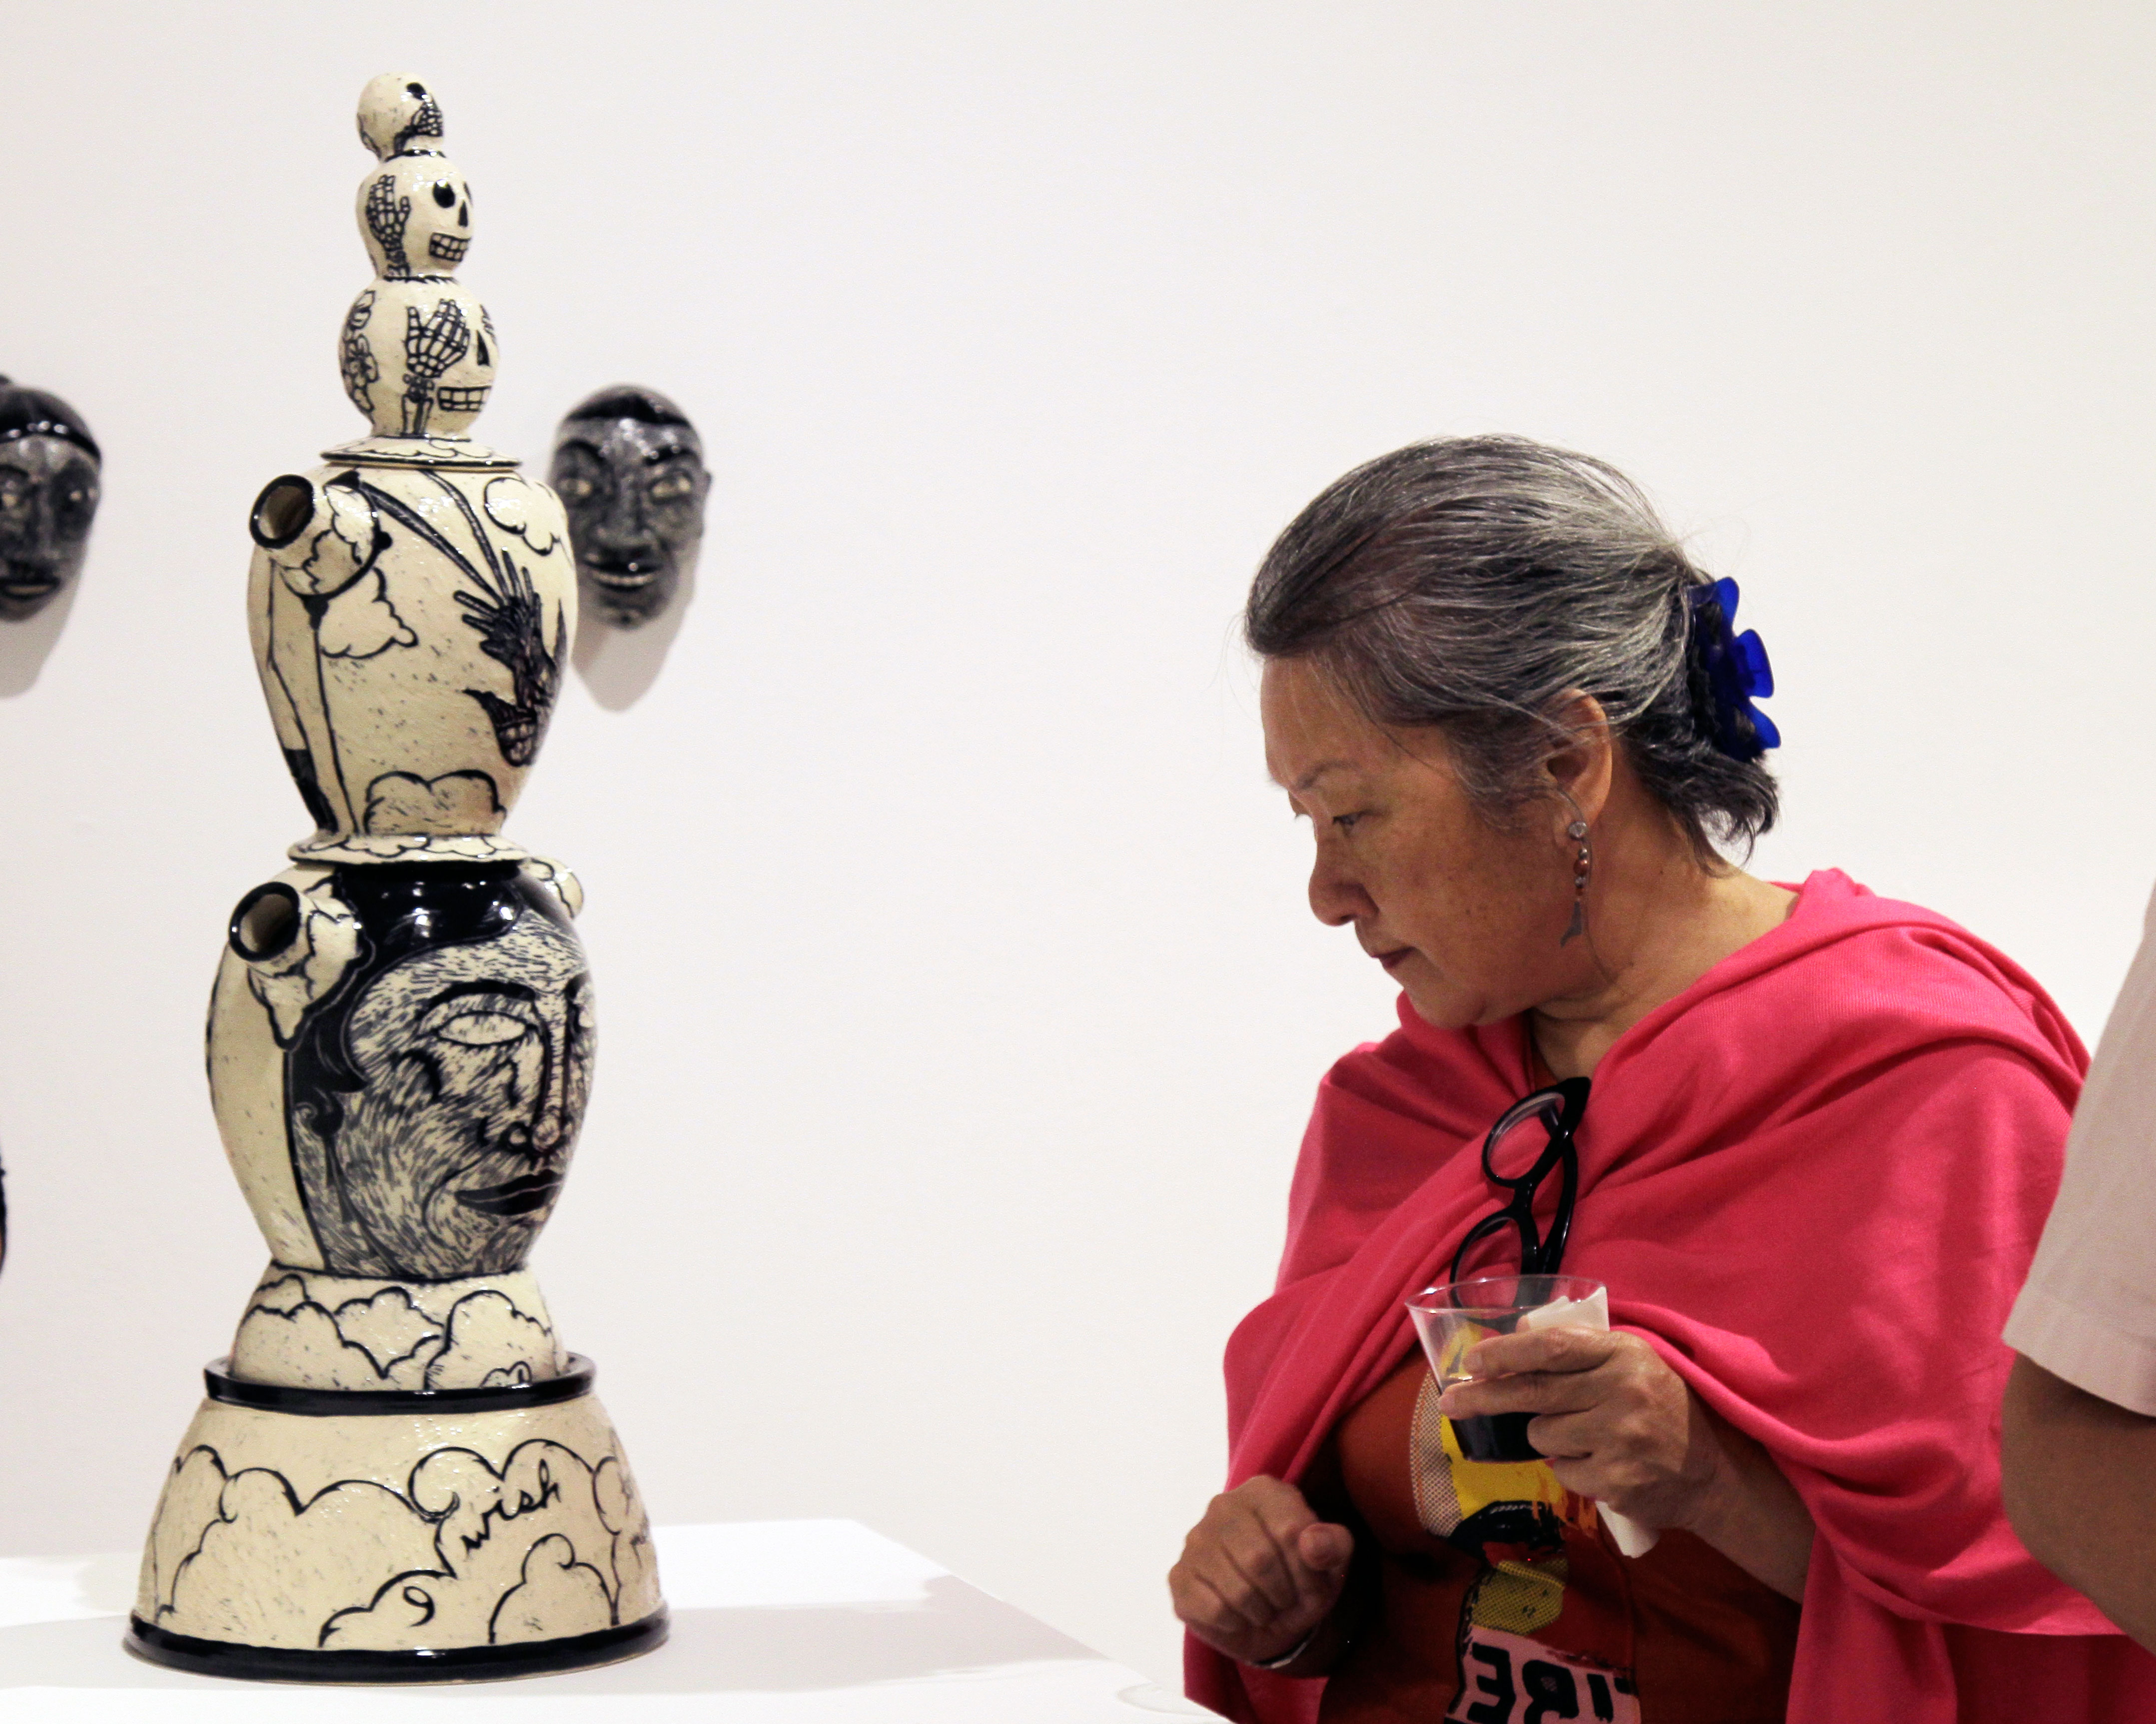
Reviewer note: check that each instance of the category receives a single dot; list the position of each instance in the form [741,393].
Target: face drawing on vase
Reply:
[48,493]
[629,469]
[434,1094]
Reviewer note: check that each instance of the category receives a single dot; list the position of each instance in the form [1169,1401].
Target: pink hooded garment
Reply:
[1814,1181]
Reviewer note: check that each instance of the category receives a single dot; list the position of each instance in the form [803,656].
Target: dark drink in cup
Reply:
[1496,1436]
[1452,1319]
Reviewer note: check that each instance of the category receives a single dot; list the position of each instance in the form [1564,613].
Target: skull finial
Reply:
[399,116]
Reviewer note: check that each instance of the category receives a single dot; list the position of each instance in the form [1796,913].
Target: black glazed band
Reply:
[448,1663]
[575,1380]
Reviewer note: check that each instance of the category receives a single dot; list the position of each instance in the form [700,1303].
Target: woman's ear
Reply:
[1581,767]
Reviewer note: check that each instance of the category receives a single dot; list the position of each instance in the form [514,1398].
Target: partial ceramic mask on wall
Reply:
[49,472]
[630,469]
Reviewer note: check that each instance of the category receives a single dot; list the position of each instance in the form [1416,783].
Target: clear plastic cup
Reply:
[1451,1319]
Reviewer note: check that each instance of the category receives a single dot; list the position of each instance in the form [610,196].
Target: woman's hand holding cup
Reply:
[1616,1423]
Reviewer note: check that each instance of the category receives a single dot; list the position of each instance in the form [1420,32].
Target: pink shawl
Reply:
[1814,1181]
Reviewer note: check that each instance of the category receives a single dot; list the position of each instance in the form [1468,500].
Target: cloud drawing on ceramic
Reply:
[360,622]
[324,941]
[555,1593]
[491,1345]
[388,1341]
[509,501]
[634,1563]
[382,1342]
[370,847]
[327,560]
[392,1329]
[284,1293]
[215,1535]
[557,878]
[308,1349]
[189,1506]
[528,1552]
[546,1546]
[454,803]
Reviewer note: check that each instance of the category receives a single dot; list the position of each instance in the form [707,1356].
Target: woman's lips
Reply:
[1391,959]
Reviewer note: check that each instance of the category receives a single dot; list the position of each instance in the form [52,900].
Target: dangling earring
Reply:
[1583,864]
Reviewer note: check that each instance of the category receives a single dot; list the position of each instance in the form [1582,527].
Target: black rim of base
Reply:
[575,1379]
[448,1664]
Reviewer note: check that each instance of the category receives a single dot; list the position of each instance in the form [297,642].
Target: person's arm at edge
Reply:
[2079,1476]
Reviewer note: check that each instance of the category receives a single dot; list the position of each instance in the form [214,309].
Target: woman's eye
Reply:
[1345,823]
[482,1029]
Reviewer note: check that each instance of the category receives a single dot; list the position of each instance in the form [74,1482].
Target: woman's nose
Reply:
[1336,898]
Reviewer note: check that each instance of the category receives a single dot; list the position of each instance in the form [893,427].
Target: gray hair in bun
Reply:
[1473,583]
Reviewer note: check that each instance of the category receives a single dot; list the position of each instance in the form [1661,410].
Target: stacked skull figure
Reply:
[399,1474]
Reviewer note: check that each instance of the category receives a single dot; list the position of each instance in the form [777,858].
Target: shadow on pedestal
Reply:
[801,1648]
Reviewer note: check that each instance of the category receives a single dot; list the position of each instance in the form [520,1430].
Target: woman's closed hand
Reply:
[1260,1571]
[1616,1422]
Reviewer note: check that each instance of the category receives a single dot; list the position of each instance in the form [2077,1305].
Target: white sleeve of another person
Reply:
[2088,1312]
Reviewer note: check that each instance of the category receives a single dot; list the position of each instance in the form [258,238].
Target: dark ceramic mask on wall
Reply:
[49,474]
[630,469]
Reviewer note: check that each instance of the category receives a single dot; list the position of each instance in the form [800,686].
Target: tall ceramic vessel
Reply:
[399,1475]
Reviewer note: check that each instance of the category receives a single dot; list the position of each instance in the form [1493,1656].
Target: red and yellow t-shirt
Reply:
[1498,1598]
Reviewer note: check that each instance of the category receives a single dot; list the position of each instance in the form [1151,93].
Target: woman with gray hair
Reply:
[1806,1136]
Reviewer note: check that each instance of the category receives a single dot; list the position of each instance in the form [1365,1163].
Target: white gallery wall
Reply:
[960,1004]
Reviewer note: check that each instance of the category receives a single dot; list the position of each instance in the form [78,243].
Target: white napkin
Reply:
[1593,1312]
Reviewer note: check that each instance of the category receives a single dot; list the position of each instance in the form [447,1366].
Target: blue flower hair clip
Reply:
[1737,672]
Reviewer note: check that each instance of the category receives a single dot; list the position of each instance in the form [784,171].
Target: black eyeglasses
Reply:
[1556,1110]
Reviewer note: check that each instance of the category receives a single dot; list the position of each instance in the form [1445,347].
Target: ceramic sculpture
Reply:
[630,469]
[399,1475]
[49,474]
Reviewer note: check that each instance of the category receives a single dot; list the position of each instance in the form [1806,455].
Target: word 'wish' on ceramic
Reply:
[630,467]
[400,1474]
[49,473]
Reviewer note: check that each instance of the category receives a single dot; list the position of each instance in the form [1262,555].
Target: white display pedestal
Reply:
[797,1621]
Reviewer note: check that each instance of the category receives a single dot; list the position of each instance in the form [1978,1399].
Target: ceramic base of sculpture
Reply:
[396,1535]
